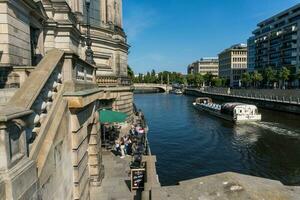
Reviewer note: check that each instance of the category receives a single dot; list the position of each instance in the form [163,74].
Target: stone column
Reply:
[4,148]
[118,13]
[110,16]
[67,71]
[102,9]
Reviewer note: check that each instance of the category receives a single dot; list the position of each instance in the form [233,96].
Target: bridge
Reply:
[150,86]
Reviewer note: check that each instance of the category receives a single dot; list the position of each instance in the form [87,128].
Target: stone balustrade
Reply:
[104,81]
[33,118]
[40,90]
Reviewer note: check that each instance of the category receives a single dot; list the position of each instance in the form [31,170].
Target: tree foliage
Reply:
[130,72]
[246,79]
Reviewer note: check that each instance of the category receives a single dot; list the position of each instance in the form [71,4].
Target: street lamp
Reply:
[89,54]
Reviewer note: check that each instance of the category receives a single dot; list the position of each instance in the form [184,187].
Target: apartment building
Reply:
[233,63]
[251,54]
[277,41]
[205,65]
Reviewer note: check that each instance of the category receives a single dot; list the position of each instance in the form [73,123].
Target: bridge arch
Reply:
[148,86]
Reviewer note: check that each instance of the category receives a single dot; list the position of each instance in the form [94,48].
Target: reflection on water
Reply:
[189,144]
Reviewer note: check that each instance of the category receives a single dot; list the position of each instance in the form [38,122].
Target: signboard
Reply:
[137,178]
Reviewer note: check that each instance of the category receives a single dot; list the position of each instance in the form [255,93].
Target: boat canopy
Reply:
[238,109]
[228,108]
[203,100]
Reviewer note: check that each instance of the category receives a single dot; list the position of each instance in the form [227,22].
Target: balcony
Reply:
[113,81]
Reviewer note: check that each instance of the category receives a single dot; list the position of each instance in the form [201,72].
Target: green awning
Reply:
[108,116]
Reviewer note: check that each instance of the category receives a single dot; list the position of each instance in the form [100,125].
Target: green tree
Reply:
[185,82]
[130,73]
[256,78]
[147,77]
[284,75]
[153,78]
[298,78]
[198,79]
[141,78]
[269,75]
[208,77]
[190,79]
[218,82]
[246,79]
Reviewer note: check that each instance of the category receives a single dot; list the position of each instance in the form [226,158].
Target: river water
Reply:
[190,144]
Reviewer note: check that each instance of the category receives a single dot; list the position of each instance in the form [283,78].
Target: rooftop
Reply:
[295,8]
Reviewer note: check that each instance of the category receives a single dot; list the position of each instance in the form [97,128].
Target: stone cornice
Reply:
[9,113]
[80,99]
[105,39]
[58,6]
[64,26]
[34,8]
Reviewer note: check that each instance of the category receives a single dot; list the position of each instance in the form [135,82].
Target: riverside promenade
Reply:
[273,99]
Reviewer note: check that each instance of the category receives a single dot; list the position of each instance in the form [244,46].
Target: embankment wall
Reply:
[272,104]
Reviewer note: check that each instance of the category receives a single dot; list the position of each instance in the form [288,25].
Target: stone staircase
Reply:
[116,182]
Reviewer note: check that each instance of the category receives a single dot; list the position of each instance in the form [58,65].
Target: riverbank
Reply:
[291,105]
[190,144]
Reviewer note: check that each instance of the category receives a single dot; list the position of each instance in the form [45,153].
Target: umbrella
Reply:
[108,116]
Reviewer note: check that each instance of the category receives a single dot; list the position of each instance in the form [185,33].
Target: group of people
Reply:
[124,145]
[131,143]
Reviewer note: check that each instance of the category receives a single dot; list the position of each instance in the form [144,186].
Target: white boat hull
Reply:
[238,119]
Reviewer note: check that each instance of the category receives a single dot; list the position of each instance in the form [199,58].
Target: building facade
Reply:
[205,65]
[251,54]
[233,63]
[29,29]
[50,124]
[277,41]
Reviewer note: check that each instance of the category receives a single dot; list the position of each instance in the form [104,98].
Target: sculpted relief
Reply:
[114,12]
[118,13]
[110,11]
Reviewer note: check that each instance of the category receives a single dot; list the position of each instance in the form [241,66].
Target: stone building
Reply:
[29,29]
[50,136]
[205,65]
[233,63]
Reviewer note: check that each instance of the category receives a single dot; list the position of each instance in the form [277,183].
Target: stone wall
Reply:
[56,176]
[6,94]
[124,102]
[272,104]
[260,93]
[14,34]
[2,189]
[80,121]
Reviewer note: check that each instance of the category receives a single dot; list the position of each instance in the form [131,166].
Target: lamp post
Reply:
[89,54]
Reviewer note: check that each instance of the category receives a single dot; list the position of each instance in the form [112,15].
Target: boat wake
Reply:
[278,129]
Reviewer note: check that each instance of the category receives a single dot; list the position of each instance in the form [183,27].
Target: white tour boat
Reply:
[236,112]
[176,91]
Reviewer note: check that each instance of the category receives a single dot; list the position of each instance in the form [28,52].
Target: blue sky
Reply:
[170,34]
